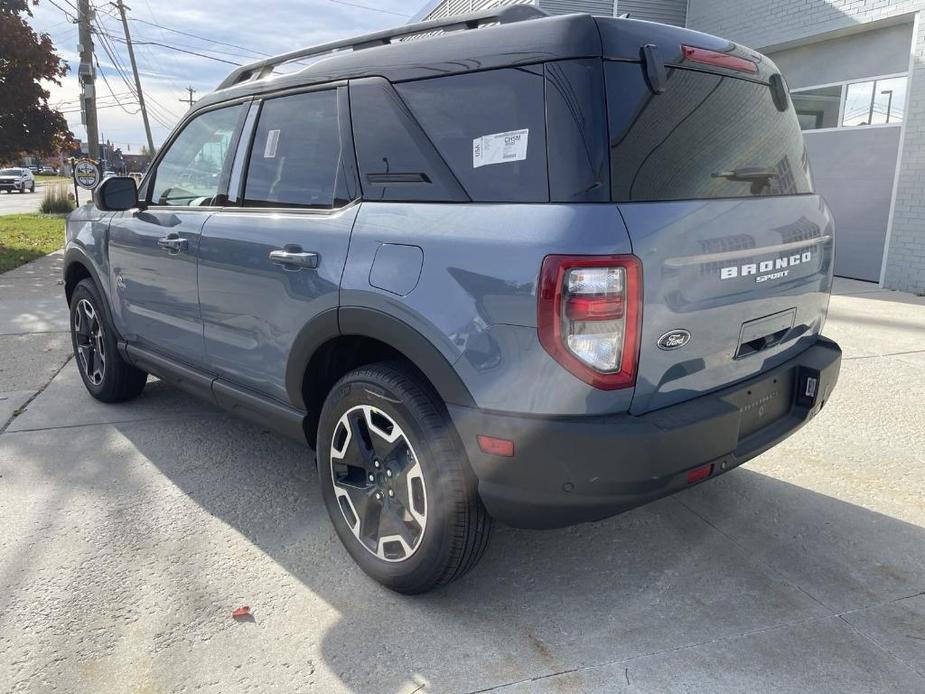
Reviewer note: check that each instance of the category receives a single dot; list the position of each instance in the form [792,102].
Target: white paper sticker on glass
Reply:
[500,148]
[269,151]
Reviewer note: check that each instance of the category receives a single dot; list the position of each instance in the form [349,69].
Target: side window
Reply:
[295,157]
[490,127]
[190,172]
[397,160]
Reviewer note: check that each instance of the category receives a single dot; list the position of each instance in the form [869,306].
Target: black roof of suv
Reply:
[515,35]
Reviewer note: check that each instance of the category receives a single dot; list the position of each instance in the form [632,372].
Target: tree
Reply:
[27,123]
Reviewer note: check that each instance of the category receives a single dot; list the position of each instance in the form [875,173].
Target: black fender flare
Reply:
[392,331]
[76,255]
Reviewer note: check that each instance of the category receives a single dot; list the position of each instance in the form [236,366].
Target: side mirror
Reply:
[116,194]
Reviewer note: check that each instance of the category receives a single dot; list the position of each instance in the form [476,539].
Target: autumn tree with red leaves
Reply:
[27,123]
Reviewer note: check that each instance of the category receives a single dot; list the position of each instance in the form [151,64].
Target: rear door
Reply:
[272,260]
[713,185]
[152,252]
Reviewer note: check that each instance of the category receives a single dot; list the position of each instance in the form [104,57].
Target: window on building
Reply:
[850,104]
[877,102]
[296,153]
[817,108]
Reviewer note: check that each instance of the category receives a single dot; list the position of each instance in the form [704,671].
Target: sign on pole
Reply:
[87,173]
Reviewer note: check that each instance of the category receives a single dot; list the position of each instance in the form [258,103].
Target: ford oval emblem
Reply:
[675,339]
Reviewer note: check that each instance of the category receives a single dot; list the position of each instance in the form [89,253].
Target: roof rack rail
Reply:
[500,15]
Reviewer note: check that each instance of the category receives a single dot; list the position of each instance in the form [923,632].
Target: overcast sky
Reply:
[259,26]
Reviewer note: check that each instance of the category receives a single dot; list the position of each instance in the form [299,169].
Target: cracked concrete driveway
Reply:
[131,532]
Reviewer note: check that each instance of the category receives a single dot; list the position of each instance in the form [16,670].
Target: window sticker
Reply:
[269,152]
[500,148]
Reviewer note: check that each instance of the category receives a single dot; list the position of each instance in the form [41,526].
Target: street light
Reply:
[889,103]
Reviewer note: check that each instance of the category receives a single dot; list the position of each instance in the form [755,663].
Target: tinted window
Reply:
[576,119]
[295,157]
[397,161]
[490,127]
[706,136]
[190,172]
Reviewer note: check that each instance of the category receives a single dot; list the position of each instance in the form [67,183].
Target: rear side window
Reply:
[396,159]
[296,153]
[490,128]
[706,136]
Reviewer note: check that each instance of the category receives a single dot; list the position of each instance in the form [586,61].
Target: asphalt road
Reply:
[20,203]
[131,532]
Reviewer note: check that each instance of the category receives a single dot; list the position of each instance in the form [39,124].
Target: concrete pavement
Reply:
[133,531]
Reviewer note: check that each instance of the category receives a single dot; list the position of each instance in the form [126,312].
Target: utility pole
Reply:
[189,100]
[131,57]
[87,77]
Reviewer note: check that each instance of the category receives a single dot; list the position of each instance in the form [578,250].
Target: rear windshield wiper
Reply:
[747,173]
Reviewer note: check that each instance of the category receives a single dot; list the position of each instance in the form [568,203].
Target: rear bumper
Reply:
[577,469]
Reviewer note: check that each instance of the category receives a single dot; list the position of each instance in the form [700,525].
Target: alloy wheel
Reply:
[91,349]
[378,483]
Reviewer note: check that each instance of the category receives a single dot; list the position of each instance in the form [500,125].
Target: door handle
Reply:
[294,258]
[173,243]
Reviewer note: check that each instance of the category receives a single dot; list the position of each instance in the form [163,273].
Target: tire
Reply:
[106,375]
[32,188]
[22,189]
[421,523]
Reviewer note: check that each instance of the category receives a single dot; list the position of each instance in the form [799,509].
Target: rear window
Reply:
[490,128]
[706,136]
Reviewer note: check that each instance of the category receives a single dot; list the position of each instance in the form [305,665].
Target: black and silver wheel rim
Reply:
[91,350]
[378,483]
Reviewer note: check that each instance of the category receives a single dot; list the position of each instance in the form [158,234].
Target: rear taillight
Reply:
[708,57]
[589,315]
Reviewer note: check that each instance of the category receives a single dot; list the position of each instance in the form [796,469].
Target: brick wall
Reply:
[764,23]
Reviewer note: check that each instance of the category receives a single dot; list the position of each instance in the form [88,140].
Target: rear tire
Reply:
[106,375]
[396,481]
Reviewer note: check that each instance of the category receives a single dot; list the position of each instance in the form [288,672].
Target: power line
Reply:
[71,17]
[131,56]
[179,50]
[367,7]
[196,36]
[165,113]
[108,86]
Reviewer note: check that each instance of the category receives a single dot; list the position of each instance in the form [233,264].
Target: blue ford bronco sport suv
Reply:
[499,266]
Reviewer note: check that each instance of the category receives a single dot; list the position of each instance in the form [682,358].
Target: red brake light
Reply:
[708,57]
[589,312]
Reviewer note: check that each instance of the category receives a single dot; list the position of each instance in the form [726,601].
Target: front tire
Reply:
[106,375]
[396,481]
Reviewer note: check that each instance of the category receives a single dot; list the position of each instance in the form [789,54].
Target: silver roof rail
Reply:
[500,15]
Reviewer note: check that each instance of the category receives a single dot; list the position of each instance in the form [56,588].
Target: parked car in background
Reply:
[18,178]
[542,272]
[48,171]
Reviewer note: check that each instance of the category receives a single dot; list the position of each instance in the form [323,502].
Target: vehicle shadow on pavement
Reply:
[740,555]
